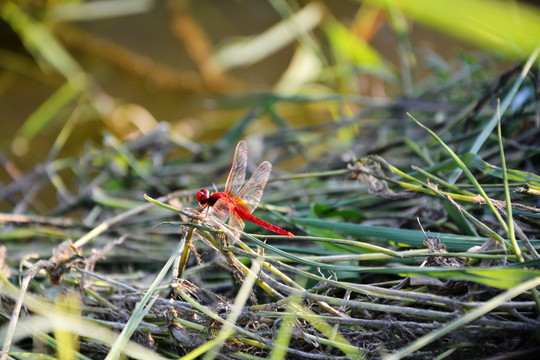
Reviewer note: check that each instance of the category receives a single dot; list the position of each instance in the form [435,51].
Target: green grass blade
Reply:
[500,278]
[473,160]
[511,233]
[406,237]
[45,113]
[41,43]
[283,338]
[507,27]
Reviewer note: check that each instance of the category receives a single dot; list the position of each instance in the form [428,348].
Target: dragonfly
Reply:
[239,200]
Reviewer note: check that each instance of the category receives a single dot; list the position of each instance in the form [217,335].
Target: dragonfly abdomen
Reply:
[246,215]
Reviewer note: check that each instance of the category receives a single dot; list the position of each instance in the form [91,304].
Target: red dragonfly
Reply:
[240,201]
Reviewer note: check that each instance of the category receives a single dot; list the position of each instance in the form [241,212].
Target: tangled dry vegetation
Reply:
[412,252]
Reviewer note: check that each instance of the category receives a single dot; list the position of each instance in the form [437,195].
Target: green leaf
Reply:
[403,237]
[508,27]
[501,278]
[42,44]
[326,211]
[472,160]
[348,48]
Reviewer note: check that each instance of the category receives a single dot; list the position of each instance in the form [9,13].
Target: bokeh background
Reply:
[124,66]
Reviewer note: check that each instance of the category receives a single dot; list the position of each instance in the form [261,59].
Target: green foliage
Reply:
[350,50]
[508,27]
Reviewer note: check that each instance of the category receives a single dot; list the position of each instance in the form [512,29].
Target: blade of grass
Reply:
[406,55]
[505,27]
[476,161]
[256,48]
[45,113]
[338,341]
[510,232]
[499,277]
[181,262]
[41,43]
[283,338]
[375,291]
[406,237]
[67,342]
[442,182]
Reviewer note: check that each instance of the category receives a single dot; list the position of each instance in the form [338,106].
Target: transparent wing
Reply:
[237,176]
[236,224]
[252,192]
[218,213]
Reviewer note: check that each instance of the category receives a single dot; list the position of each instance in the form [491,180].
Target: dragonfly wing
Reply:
[237,176]
[236,223]
[252,192]
[218,213]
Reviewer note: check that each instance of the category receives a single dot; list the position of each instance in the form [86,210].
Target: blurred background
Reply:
[123,66]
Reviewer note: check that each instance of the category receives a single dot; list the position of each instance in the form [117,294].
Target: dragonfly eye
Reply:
[203,196]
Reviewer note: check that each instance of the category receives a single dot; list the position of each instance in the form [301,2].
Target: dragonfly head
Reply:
[203,196]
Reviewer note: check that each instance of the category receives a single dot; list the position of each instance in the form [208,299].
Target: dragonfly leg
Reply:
[199,212]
